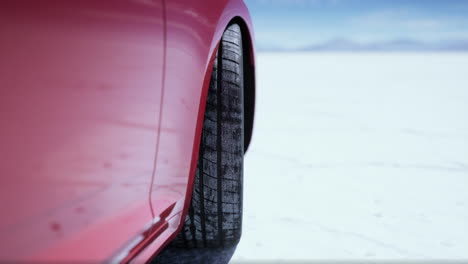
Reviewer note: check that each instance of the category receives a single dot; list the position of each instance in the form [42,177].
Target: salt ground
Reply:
[358,156]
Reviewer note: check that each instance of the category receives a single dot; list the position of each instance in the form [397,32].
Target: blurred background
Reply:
[360,25]
[360,148]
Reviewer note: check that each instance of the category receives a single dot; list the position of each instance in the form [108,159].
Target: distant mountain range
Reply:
[407,45]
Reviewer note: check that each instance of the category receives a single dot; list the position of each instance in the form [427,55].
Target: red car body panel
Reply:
[101,109]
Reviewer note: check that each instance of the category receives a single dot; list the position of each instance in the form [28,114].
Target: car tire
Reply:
[214,218]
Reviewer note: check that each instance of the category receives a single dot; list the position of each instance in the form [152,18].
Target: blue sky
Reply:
[292,24]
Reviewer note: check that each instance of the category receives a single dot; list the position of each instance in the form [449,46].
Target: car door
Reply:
[81,85]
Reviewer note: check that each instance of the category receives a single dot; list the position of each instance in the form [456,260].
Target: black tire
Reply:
[215,214]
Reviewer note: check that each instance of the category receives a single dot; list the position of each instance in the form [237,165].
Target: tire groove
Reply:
[233,72]
[219,144]
[192,226]
[202,191]
[232,43]
[184,237]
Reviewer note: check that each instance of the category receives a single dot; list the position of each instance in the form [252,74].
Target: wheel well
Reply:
[249,81]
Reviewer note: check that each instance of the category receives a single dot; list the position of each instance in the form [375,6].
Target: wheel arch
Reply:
[234,12]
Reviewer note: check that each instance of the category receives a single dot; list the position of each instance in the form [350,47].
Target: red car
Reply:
[123,127]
